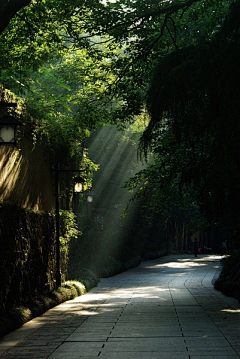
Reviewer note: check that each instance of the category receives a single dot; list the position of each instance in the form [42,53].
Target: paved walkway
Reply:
[166,308]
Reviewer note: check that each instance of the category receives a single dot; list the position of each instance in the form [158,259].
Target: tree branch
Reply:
[9,8]
[166,10]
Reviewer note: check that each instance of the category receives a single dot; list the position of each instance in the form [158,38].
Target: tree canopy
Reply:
[194,103]
[88,63]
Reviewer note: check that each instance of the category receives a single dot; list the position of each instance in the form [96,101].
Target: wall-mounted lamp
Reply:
[90,197]
[8,130]
[78,183]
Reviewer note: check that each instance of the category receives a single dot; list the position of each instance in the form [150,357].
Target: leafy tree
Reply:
[67,94]
[40,29]
[187,35]
[195,91]
[143,30]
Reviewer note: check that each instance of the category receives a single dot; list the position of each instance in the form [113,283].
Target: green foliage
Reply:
[229,279]
[21,315]
[86,276]
[15,317]
[68,232]
[192,165]
[124,34]
[46,57]
[44,27]
[192,104]
[161,189]
[68,227]
[63,294]
[62,97]
[147,31]
[80,287]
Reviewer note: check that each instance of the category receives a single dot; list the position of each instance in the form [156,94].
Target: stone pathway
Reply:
[166,308]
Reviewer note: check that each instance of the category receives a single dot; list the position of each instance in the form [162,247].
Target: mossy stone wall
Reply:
[27,254]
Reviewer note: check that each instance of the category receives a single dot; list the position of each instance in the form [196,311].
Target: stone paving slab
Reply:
[217,353]
[146,332]
[143,344]
[23,353]
[127,355]
[144,355]
[199,332]
[214,356]
[77,349]
[88,335]
[166,308]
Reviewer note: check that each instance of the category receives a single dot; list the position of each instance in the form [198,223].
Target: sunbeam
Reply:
[109,234]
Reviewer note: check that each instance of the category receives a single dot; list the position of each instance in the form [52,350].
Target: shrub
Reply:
[80,287]
[15,317]
[229,279]
[87,277]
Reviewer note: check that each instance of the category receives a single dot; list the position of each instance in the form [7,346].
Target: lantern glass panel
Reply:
[7,134]
[78,187]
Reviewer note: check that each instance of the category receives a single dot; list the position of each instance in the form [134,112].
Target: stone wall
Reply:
[25,170]
[27,227]
[27,254]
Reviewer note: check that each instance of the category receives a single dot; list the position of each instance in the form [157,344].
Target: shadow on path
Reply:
[166,308]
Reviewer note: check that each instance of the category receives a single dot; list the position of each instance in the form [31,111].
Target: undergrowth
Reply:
[15,317]
[229,280]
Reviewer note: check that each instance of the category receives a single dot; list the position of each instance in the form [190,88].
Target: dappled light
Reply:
[25,179]
[140,312]
[188,263]
[231,311]
[88,312]
[10,167]
[180,265]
